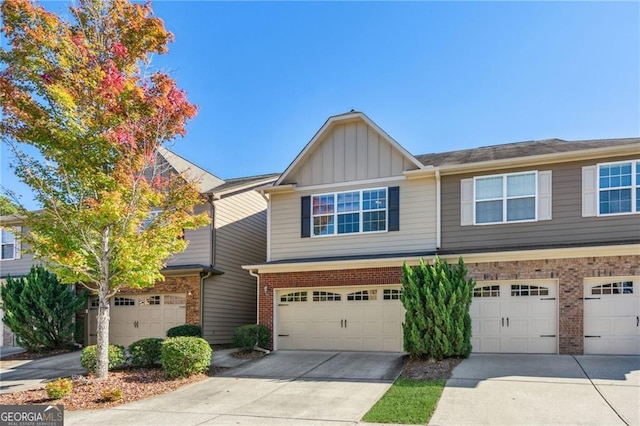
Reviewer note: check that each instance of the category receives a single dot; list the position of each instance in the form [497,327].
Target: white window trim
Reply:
[633,187]
[504,197]
[15,241]
[360,212]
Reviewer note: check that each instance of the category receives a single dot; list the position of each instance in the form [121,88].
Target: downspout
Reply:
[268,200]
[257,276]
[253,274]
[212,254]
[202,280]
[438,213]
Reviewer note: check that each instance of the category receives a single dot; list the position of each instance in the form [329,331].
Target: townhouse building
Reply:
[550,231]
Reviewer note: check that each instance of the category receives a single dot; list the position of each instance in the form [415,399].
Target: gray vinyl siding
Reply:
[567,225]
[349,152]
[199,249]
[417,225]
[229,300]
[21,266]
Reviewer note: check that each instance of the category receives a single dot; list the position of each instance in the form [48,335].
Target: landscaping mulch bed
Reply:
[248,354]
[135,384]
[428,369]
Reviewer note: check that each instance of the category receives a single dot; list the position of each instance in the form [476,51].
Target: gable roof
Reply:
[241,183]
[519,150]
[204,180]
[326,127]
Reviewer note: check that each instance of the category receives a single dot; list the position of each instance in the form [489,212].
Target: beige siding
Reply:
[199,249]
[349,152]
[417,226]
[567,225]
[230,299]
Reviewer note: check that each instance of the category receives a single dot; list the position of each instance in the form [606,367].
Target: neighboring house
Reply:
[12,262]
[550,230]
[204,285]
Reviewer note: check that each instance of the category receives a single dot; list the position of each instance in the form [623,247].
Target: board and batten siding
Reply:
[229,300]
[198,252]
[417,225]
[567,226]
[349,152]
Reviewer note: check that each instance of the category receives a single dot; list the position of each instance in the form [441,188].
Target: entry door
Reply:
[514,317]
[612,316]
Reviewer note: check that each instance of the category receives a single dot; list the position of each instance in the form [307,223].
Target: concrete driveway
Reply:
[22,375]
[284,388]
[492,389]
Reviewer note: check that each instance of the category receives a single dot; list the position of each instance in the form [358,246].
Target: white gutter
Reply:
[438,211]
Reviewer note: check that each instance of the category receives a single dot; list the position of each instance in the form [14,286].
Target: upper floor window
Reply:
[349,212]
[8,245]
[619,187]
[505,198]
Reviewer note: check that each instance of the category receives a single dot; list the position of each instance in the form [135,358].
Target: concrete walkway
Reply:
[284,388]
[29,374]
[492,389]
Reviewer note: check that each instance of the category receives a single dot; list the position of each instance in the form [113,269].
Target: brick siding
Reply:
[569,272]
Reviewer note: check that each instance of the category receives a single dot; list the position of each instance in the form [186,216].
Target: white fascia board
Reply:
[505,256]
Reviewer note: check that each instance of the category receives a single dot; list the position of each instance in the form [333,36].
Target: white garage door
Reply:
[514,317]
[339,318]
[612,316]
[134,317]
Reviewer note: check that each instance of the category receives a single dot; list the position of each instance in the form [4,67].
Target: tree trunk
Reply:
[102,369]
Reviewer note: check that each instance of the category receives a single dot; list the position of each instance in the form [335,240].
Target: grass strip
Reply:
[407,401]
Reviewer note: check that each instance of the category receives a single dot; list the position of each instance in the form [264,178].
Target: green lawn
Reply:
[407,401]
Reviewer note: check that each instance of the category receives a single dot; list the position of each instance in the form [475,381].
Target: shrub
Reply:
[145,352]
[437,300]
[185,330]
[184,356]
[111,394]
[89,357]
[40,310]
[247,336]
[59,388]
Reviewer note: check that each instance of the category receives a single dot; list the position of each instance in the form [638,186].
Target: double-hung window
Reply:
[349,212]
[8,245]
[619,187]
[505,198]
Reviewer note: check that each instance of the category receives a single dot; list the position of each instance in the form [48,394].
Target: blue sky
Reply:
[437,76]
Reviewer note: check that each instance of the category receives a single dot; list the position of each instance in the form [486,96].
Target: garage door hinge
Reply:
[283,335]
[547,335]
[547,298]
[591,336]
[591,298]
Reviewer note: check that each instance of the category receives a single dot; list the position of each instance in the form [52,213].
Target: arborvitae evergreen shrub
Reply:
[437,300]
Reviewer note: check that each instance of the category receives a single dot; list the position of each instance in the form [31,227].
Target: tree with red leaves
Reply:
[80,92]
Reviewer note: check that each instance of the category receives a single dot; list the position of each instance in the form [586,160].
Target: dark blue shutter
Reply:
[394,208]
[305,217]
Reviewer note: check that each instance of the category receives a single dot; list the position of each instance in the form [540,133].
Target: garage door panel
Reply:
[611,311]
[486,344]
[134,317]
[512,317]
[349,318]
